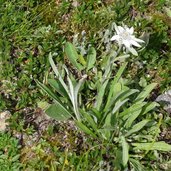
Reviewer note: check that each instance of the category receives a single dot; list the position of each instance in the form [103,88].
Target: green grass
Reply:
[30,30]
[9,153]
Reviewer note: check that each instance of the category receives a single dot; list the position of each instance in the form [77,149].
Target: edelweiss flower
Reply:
[124,36]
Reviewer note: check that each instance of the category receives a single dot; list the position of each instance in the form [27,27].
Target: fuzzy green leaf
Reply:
[72,55]
[58,87]
[91,58]
[58,112]
[48,91]
[113,84]
[137,166]
[118,105]
[125,151]
[58,103]
[85,129]
[132,118]
[89,119]
[148,107]
[161,146]
[145,93]
[55,69]
[126,93]
[134,108]
[137,127]
[100,95]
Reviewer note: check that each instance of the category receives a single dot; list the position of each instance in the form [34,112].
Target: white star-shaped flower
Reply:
[124,36]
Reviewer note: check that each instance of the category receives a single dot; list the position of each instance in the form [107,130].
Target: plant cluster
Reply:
[116,115]
[9,153]
[103,89]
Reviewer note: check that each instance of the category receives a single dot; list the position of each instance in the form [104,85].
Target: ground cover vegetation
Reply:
[57,58]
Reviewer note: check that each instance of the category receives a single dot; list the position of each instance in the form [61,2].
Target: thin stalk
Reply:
[110,64]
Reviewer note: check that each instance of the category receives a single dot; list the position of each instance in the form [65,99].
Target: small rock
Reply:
[166,99]
[3,120]
[75,3]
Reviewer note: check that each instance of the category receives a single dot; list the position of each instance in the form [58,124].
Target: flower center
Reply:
[125,35]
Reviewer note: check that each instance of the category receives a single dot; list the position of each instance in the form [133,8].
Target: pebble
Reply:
[3,120]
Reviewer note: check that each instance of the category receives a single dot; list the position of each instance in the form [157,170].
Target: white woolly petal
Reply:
[116,29]
[131,30]
[135,43]
[121,29]
[115,37]
[126,43]
[127,30]
[133,51]
[138,40]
